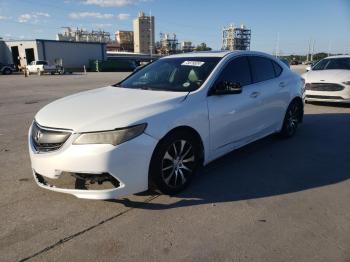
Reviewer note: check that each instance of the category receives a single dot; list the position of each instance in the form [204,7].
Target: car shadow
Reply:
[318,155]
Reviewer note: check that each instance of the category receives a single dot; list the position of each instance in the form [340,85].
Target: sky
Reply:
[287,24]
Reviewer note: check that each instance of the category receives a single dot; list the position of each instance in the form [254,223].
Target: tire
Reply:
[292,119]
[175,162]
[7,71]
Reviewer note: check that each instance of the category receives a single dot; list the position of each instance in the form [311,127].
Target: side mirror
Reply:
[308,68]
[226,88]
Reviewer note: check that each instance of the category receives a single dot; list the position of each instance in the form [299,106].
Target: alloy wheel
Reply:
[178,163]
[293,119]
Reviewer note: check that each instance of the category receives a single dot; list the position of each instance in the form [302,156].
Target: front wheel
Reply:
[175,162]
[291,119]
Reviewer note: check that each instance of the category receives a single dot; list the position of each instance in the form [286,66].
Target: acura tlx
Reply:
[160,124]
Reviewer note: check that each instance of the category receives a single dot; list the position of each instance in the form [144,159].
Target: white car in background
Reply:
[162,122]
[329,80]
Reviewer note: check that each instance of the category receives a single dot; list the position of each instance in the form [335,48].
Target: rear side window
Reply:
[277,67]
[262,68]
[237,71]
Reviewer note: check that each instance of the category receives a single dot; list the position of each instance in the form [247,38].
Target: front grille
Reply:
[80,181]
[48,139]
[323,87]
[325,97]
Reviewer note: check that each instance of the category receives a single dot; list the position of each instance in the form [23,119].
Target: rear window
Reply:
[277,68]
[262,68]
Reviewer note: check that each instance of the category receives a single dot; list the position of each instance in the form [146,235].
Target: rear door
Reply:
[272,91]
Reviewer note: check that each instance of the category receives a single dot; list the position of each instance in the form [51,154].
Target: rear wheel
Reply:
[175,162]
[7,71]
[291,119]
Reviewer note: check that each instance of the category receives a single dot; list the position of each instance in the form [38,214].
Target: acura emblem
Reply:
[38,135]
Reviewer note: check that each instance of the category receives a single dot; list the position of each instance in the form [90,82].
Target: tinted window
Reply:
[333,63]
[237,71]
[172,74]
[277,67]
[262,68]
[41,62]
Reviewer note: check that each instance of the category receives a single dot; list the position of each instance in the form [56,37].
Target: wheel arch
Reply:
[298,100]
[183,128]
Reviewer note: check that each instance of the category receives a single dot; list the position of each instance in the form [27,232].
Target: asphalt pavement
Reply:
[273,200]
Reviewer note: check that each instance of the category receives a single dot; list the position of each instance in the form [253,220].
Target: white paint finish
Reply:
[223,122]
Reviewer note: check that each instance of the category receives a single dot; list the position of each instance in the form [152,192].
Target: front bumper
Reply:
[127,162]
[342,96]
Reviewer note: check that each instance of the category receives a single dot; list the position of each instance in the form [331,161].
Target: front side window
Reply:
[172,74]
[237,71]
[333,63]
[41,62]
[262,68]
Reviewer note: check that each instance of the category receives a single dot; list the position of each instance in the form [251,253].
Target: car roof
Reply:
[216,54]
[338,56]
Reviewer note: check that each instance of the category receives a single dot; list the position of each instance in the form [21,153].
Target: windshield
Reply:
[333,63]
[172,74]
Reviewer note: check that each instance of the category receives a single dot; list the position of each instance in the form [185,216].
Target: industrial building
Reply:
[186,46]
[125,40]
[144,34]
[71,55]
[81,35]
[236,38]
[168,44]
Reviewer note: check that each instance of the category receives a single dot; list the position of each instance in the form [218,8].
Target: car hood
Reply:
[106,108]
[332,76]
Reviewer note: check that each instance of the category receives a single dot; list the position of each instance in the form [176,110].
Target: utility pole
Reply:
[278,45]
[308,51]
[151,32]
[329,47]
[313,50]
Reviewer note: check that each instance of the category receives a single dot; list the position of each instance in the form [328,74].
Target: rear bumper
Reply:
[128,163]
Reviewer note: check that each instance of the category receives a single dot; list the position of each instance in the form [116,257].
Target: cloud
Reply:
[4,17]
[109,3]
[101,26]
[33,17]
[123,16]
[24,18]
[78,15]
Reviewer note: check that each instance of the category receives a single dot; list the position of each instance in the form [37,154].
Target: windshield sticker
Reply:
[193,63]
[187,84]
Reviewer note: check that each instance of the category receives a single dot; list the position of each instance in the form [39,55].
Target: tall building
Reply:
[236,38]
[144,34]
[125,40]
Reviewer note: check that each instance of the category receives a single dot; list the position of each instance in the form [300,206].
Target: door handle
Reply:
[254,94]
[282,84]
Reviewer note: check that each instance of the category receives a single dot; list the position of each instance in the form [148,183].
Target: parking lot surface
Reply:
[274,200]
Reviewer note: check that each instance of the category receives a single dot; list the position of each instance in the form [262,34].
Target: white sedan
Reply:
[160,124]
[329,80]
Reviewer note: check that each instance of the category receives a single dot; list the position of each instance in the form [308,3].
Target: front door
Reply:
[234,118]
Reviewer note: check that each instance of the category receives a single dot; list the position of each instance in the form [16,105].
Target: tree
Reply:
[203,47]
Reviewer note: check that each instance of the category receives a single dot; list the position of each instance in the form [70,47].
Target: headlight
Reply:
[347,83]
[114,137]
